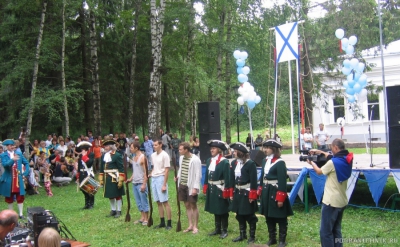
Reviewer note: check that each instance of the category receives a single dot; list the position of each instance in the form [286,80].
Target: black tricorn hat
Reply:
[84,145]
[272,143]
[219,144]
[240,146]
[109,142]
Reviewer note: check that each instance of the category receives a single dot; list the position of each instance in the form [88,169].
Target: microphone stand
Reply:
[370,134]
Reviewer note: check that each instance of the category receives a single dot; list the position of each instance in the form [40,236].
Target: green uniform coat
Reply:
[269,207]
[111,187]
[241,204]
[215,204]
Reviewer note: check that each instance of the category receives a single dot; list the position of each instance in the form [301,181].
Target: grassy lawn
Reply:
[93,227]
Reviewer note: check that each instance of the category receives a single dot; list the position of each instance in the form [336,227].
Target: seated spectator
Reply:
[60,171]
[42,148]
[54,158]
[53,146]
[62,148]
[49,237]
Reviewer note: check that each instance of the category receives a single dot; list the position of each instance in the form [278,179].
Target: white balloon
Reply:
[240,90]
[253,96]
[245,96]
[339,33]
[354,63]
[246,70]
[246,84]
[361,98]
[257,100]
[244,55]
[353,40]
[251,89]
[345,42]
[350,77]
[341,121]
[236,54]
[363,92]
[240,100]
[360,67]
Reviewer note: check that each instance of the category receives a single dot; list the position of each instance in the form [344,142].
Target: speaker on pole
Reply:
[393,104]
[209,126]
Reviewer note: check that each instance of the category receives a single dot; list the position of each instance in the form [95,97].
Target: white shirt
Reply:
[322,135]
[160,162]
[308,136]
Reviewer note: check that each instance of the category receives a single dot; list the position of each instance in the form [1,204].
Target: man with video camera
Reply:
[337,170]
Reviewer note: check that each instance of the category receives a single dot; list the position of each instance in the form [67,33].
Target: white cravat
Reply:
[213,163]
[107,157]
[11,154]
[238,169]
[268,164]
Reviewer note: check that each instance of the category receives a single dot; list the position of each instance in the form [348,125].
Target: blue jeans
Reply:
[175,153]
[140,197]
[331,226]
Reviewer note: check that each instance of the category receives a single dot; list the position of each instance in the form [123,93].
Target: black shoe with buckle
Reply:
[112,213]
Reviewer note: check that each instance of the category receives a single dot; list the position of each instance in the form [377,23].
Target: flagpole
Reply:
[299,102]
[291,105]
[275,93]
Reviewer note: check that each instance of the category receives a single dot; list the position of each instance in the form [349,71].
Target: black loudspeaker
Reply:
[393,104]
[257,156]
[204,148]
[209,117]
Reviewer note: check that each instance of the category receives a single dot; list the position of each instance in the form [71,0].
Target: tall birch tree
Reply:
[157,9]
[63,72]
[35,76]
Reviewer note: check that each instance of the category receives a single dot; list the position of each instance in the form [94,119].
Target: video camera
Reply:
[318,159]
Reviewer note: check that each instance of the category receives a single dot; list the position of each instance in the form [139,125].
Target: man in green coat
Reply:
[244,204]
[112,176]
[275,205]
[217,187]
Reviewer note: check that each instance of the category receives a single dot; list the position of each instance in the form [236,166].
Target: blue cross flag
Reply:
[286,42]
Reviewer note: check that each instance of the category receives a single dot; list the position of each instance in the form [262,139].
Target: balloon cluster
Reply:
[353,69]
[246,90]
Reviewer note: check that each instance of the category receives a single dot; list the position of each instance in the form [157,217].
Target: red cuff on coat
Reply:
[230,192]
[253,194]
[205,188]
[85,158]
[280,196]
[259,190]
[226,193]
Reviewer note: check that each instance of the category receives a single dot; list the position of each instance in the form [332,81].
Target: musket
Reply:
[128,216]
[150,219]
[178,225]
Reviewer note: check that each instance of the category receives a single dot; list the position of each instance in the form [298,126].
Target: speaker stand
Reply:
[370,135]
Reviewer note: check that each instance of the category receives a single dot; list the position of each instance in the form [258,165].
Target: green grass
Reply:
[93,227]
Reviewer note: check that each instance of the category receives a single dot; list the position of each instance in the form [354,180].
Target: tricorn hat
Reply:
[240,146]
[272,143]
[109,142]
[84,144]
[219,144]
[8,142]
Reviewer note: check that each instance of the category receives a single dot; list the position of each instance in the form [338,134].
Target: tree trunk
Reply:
[87,99]
[166,109]
[220,55]
[307,83]
[157,30]
[63,73]
[94,67]
[228,88]
[189,54]
[131,124]
[34,79]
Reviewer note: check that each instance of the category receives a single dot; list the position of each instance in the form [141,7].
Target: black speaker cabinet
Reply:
[204,148]
[209,117]
[393,104]
[257,156]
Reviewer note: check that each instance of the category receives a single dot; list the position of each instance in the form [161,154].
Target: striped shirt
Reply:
[185,170]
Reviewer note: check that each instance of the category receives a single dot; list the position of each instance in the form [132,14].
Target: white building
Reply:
[356,129]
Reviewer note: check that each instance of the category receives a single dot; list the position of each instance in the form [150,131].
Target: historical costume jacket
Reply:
[217,185]
[112,171]
[273,189]
[85,166]
[245,178]
[12,179]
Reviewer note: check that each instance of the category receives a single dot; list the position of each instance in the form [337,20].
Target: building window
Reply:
[338,107]
[373,106]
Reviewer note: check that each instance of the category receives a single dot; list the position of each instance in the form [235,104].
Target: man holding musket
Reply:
[275,205]
[85,169]
[16,169]
[338,171]
[218,188]
[244,204]
[112,176]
